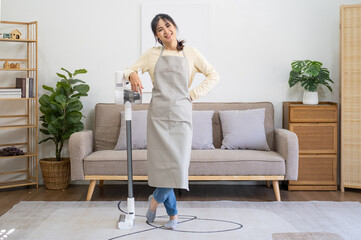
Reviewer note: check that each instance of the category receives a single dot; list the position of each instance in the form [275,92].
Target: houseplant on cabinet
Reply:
[62,117]
[310,74]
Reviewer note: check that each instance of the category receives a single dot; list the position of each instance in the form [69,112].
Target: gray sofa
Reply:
[93,158]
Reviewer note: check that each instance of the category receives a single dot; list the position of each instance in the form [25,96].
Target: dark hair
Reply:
[165,17]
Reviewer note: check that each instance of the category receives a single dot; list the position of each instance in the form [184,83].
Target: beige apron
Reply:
[169,127]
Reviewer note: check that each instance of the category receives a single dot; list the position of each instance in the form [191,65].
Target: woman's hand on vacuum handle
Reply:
[137,85]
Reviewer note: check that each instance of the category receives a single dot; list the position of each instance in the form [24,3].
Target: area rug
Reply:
[197,220]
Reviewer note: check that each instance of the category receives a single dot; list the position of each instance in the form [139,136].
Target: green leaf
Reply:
[79,95]
[48,118]
[44,100]
[73,99]
[73,117]
[297,66]
[45,110]
[73,81]
[61,75]
[67,135]
[317,63]
[46,132]
[65,85]
[48,88]
[294,78]
[308,63]
[53,129]
[325,70]
[60,99]
[313,70]
[80,71]
[323,77]
[312,88]
[58,123]
[70,75]
[79,126]
[74,106]
[62,91]
[82,88]
[56,107]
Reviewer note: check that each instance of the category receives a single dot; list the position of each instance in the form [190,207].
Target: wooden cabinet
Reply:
[19,114]
[316,129]
[350,97]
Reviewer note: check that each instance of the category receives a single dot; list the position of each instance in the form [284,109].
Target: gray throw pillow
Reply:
[244,129]
[202,130]
[139,131]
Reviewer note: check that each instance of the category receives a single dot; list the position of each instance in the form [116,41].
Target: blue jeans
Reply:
[166,196]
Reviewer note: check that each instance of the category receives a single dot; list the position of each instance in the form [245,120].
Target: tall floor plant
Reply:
[61,109]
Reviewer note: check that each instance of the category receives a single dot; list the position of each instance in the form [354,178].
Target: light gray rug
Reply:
[198,220]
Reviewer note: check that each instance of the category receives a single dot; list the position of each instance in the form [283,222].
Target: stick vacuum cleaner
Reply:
[127,97]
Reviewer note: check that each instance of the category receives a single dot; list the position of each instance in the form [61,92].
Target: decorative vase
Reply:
[310,98]
[56,174]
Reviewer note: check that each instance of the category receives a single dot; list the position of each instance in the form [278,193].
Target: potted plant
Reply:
[310,74]
[61,118]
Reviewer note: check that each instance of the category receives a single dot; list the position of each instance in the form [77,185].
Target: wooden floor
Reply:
[198,192]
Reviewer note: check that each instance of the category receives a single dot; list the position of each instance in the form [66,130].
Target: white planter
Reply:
[310,98]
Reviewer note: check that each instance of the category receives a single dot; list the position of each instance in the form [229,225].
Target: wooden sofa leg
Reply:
[91,189]
[268,183]
[276,189]
[101,182]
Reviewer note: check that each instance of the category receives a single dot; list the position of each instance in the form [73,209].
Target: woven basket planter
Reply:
[56,174]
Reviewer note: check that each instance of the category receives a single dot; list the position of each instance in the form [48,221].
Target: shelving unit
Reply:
[26,132]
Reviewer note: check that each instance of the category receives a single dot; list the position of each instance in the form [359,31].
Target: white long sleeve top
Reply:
[197,63]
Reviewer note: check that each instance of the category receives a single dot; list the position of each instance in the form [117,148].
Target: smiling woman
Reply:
[169,123]
[165,31]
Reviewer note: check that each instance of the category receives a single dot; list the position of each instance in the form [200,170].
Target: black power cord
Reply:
[186,218]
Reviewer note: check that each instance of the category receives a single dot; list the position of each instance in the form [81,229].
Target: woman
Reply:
[169,129]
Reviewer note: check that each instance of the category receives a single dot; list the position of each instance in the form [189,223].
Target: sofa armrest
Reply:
[80,146]
[287,146]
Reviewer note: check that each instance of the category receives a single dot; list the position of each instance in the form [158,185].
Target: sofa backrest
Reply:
[107,121]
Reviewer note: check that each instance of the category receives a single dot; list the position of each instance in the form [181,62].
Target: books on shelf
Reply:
[27,87]
[10,93]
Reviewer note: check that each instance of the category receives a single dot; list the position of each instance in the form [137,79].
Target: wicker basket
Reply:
[55,173]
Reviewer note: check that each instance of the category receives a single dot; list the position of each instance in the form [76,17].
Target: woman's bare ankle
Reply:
[174,217]
[153,205]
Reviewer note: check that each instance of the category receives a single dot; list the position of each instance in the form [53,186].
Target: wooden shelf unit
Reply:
[26,69]
[316,129]
[17,40]
[27,138]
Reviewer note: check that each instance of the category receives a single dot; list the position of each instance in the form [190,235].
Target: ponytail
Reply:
[180,45]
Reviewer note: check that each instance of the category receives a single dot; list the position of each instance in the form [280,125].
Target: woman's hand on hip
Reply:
[137,85]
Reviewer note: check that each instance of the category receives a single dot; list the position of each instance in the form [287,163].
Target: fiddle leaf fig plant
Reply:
[61,108]
[310,74]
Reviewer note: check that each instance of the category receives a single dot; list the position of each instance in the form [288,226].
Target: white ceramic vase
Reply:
[310,98]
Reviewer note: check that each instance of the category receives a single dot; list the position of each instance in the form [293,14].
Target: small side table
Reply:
[316,129]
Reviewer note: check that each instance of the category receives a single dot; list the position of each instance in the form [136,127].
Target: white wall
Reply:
[251,45]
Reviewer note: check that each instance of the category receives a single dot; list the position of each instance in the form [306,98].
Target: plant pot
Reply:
[310,98]
[56,174]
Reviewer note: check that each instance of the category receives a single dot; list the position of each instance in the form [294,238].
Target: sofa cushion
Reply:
[204,162]
[244,129]
[107,121]
[202,130]
[139,131]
